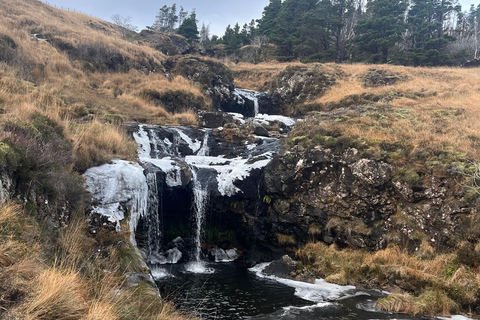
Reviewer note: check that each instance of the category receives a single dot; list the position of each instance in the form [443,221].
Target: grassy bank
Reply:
[50,273]
[436,284]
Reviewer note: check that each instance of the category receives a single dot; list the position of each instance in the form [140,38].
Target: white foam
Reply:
[320,291]
[159,273]
[310,307]
[198,267]
[456,317]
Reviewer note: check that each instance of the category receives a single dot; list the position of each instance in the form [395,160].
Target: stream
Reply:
[232,291]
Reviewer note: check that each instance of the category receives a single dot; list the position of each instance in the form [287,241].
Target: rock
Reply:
[260,131]
[297,84]
[215,78]
[214,119]
[135,278]
[281,268]
[173,255]
[380,77]
[371,172]
[169,44]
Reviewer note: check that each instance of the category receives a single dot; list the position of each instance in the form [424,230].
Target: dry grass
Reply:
[285,239]
[95,143]
[437,285]
[256,76]
[75,283]
[60,294]
[426,110]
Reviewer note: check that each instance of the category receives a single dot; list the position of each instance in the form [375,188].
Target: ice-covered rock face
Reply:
[170,148]
[117,189]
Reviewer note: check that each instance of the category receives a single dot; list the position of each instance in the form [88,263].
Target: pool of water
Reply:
[230,291]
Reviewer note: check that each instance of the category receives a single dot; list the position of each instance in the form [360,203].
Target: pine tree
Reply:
[267,24]
[189,28]
[426,38]
[381,30]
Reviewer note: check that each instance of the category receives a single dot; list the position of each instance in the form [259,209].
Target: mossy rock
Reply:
[380,77]
[207,73]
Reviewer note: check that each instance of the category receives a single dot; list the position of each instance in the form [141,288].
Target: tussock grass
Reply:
[433,285]
[285,239]
[59,295]
[67,278]
[95,143]
[426,109]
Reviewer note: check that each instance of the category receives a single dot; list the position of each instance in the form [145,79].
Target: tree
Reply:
[189,28]
[425,37]
[205,33]
[381,30]
[166,19]
[268,23]
[124,23]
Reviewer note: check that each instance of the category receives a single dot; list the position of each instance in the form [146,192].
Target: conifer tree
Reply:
[189,28]
[380,30]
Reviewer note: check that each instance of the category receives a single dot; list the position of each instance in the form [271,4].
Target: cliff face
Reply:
[342,197]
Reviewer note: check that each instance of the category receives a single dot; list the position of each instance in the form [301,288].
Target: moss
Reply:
[410,176]
[9,158]
[114,118]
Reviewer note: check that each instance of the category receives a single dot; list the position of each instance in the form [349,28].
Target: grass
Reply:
[428,287]
[65,278]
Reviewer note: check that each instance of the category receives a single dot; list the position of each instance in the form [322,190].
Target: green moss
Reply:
[114,118]
[410,176]
[9,158]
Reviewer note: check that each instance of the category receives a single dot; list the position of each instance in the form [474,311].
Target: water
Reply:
[233,292]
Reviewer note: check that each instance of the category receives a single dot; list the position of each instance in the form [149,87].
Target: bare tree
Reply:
[124,23]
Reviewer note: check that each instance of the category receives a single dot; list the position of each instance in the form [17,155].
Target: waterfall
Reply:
[200,201]
[251,95]
[154,231]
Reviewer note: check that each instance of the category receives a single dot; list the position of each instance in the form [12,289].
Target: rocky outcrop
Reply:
[380,77]
[297,84]
[215,78]
[169,44]
[341,197]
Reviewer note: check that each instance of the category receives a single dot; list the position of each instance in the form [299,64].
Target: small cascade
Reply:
[200,201]
[204,149]
[154,231]
[192,173]
[249,95]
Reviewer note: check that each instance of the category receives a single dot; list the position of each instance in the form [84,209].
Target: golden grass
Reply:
[428,278]
[186,118]
[256,76]
[284,239]
[427,109]
[60,294]
[95,143]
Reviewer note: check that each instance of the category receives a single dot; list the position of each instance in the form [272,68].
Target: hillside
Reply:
[66,104]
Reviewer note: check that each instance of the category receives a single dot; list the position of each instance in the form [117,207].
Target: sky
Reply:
[216,13]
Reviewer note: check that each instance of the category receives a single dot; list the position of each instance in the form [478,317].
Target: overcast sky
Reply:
[217,13]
